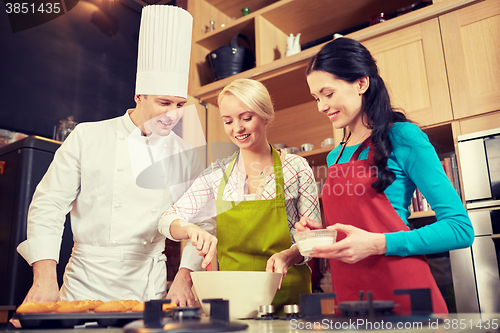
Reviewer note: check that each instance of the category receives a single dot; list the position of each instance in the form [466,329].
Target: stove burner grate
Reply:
[187,319]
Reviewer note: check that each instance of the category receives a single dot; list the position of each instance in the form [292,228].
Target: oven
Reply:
[479,155]
[475,270]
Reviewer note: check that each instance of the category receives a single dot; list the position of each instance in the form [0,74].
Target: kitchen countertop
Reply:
[450,323]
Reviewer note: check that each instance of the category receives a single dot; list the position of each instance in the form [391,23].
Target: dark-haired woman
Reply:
[371,178]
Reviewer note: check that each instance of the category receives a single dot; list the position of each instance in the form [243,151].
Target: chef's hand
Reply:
[180,291]
[202,240]
[306,224]
[357,245]
[279,262]
[45,287]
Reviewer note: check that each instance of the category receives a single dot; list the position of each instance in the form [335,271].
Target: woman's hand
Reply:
[202,240]
[279,262]
[306,224]
[357,245]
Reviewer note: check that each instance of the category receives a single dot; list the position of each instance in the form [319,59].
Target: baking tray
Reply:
[65,320]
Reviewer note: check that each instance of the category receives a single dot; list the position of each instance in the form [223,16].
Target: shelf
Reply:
[272,75]
[217,38]
[320,21]
[441,137]
[417,215]
[316,157]
[288,16]
[233,8]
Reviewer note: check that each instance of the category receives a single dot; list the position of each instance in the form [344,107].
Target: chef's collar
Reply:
[127,121]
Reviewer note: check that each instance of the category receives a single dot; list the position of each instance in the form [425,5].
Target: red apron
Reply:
[348,198]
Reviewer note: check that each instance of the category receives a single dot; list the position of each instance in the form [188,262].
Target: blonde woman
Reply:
[260,193]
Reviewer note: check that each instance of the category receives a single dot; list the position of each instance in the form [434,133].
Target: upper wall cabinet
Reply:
[267,27]
[411,62]
[471,39]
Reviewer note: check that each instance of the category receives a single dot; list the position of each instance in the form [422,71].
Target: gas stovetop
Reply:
[310,315]
[185,319]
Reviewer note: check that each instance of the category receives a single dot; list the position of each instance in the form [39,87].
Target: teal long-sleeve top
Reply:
[415,163]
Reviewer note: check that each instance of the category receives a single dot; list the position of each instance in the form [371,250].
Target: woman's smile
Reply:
[245,128]
[242,137]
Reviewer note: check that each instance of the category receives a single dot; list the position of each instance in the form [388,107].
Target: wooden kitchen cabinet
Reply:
[268,25]
[411,62]
[471,41]
[423,57]
[408,50]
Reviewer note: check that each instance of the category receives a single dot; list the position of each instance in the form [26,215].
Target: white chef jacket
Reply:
[118,249]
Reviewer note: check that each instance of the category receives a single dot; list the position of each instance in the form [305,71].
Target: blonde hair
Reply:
[253,94]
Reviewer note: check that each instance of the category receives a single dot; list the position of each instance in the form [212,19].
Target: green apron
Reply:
[249,232]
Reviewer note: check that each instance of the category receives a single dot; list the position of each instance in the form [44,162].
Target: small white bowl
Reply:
[306,240]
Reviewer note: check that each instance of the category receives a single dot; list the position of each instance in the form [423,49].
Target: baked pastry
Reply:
[72,307]
[129,304]
[138,307]
[53,306]
[168,306]
[111,306]
[92,304]
[32,307]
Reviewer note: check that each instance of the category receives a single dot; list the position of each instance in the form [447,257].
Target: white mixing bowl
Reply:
[245,290]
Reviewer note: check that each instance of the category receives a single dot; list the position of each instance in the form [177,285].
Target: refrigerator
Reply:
[22,166]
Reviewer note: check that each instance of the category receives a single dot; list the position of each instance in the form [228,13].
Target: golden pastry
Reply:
[32,307]
[72,307]
[53,306]
[138,307]
[91,305]
[169,306]
[129,304]
[111,306]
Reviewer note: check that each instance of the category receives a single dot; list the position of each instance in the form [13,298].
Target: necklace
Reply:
[358,141]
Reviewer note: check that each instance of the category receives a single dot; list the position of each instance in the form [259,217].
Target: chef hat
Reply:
[164,51]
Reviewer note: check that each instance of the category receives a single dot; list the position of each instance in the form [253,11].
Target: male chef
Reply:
[117,251]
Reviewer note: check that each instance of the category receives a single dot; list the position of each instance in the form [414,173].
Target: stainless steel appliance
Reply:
[479,155]
[475,270]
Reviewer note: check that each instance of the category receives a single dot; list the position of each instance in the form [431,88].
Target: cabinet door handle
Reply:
[2,166]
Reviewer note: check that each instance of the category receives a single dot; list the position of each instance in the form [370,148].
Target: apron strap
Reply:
[225,177]
[151,277]
[358,151]
[361,147]
[278,175]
